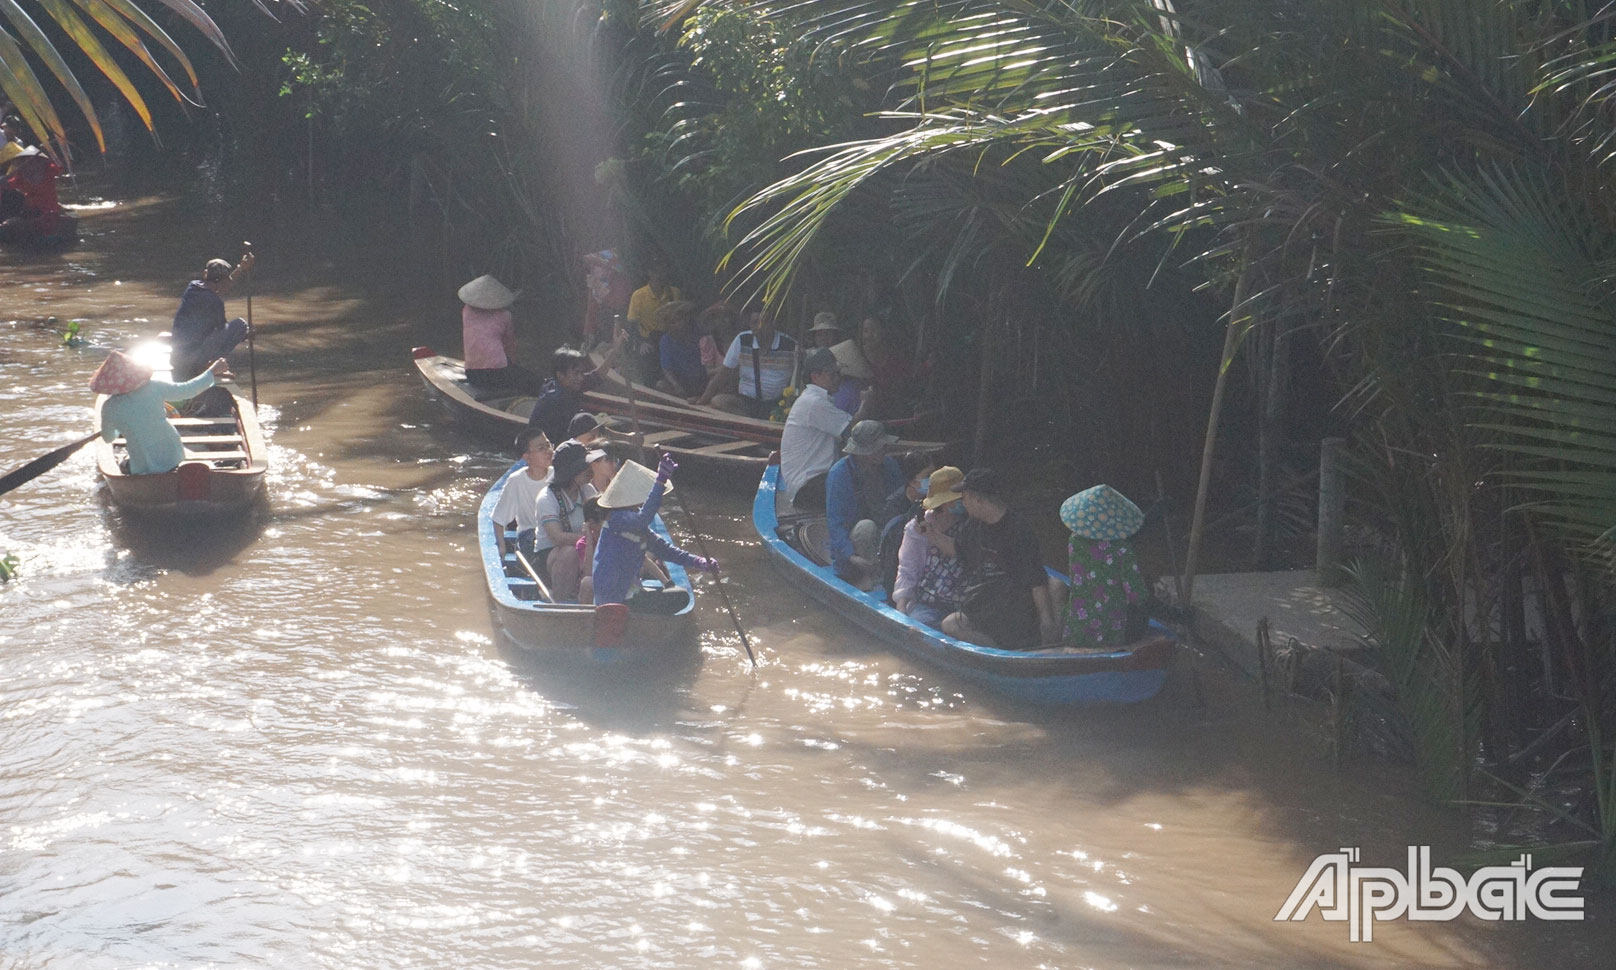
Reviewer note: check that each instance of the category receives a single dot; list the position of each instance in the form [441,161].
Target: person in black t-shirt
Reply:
[562,397]
[1007,602]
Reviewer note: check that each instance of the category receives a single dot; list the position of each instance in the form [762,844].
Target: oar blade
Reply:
[43,464]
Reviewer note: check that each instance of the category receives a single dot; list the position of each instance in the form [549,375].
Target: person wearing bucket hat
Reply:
[902,507]
[134,410]
[930,582]
[1006,601]
[199,332]
[1105,599]
[812,435]
[488,339]
[561,519]
[856,490]
[825,330]
[632,501]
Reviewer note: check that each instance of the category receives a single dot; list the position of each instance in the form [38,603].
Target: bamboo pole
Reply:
[1231,343]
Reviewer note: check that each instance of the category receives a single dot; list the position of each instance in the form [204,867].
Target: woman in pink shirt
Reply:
[489,339]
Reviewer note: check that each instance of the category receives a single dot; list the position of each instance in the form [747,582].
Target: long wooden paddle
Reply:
[252,360]
[723,594]
[43,464]
[533,574]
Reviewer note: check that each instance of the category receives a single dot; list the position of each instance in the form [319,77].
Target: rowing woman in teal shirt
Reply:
[134,409]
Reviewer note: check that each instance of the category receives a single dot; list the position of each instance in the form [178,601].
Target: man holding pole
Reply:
[200,333]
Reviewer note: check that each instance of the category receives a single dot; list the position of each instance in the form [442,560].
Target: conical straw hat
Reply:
[852,360]
[119,375]
[1101,512]
[487,293]
[630,487]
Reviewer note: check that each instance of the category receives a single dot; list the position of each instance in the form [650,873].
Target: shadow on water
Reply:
[636,700]
[195,547]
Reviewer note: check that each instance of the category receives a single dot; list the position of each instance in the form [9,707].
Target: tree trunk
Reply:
[1231,343]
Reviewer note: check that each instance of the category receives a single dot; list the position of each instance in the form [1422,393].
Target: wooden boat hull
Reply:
[503,418]
[222,475]
[565,632]
[1054,677]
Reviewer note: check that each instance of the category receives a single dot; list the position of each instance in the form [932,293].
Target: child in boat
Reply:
[1105,578]
[631,502]
[134,409]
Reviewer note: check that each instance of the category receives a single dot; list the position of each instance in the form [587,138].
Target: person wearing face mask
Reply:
[930,581]
[901,507]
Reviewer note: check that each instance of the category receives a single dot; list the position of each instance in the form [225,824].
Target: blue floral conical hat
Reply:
[1101,512]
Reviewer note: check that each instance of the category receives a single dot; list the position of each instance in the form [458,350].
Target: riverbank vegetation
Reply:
[1391,221]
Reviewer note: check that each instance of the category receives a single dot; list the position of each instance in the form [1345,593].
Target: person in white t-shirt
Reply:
[561,521]
[812,439]
[518,500]
[760,355]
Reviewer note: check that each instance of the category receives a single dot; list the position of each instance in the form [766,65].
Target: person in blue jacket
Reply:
[856,490]
[632,501]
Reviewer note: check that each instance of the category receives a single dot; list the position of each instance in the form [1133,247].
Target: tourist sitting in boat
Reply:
[602,468]
[647,327]
[825,332]
[199,332]
[680,351]
[892,367]
[902,507]
[813,434]
[134,410]
[856,377]
[715,325]
[759,356]
[930,581]
[1007,600]
[518,503]
[31,178]
[561,520]
[562,396]
[856,491]
[594,519]
[488,337]
[1107,590]
[632,501]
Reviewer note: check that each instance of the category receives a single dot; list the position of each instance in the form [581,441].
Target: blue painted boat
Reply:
[572,631]
[1056,676]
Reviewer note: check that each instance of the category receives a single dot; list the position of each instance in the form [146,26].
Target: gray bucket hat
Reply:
[868,438]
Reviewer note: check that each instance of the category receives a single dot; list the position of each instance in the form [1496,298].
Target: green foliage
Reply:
[8,568]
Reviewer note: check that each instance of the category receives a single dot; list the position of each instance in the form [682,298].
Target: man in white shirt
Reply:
[762,355]
[812,438]
[519,499]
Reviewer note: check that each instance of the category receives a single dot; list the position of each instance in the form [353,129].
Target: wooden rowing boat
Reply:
[677,412]
[501,417]
[1056,676]
[569,631]
[223,470]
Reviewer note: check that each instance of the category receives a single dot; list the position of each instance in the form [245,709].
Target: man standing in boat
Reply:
[199,333]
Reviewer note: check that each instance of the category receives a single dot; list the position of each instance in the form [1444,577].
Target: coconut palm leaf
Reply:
[1520,269]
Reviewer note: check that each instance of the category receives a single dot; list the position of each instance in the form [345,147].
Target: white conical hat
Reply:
[852,360]
[630,487]
[487,293]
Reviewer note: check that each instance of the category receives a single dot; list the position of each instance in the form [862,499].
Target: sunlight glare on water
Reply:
[299,740]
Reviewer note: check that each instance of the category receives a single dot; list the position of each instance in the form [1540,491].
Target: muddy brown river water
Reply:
[301,741]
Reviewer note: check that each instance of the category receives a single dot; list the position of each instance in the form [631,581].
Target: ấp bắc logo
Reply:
[1362,895]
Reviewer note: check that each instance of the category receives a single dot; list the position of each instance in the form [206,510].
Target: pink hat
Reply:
[119,375]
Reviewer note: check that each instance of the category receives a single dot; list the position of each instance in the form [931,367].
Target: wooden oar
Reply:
[43,464]
[533,574]
[723,594]
[252,360]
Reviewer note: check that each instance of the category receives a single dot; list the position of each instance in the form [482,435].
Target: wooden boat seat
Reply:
[725,447]
[665,437]
[215,456]
[210,439]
